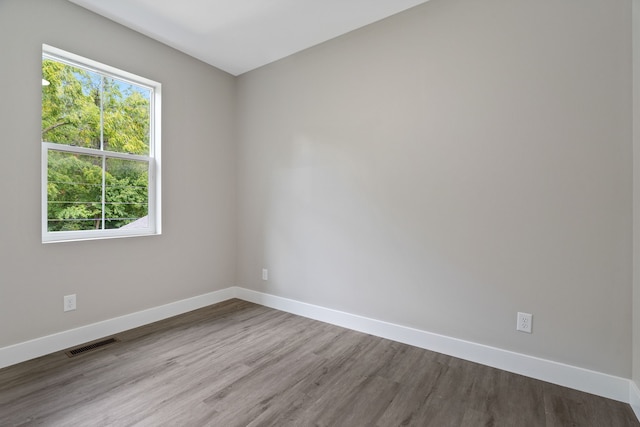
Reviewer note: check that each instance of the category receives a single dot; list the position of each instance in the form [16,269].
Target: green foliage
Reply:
[69,115]
[74,191]
[74,106]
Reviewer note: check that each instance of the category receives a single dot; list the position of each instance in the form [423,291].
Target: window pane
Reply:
[74,192]
[126,117]
[70,105]
[126,194]
[76,101]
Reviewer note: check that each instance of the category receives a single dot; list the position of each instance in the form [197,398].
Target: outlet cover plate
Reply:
[69,302]
[524,322]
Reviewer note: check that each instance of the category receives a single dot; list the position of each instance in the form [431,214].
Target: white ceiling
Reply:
[240,35]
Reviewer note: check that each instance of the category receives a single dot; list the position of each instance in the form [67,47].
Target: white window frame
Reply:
[154,199]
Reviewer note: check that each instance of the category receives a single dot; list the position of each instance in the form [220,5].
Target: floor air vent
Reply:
[89,347]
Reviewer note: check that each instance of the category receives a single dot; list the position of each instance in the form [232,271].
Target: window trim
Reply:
[154,187]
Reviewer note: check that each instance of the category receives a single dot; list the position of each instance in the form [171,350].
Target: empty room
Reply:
[313,212]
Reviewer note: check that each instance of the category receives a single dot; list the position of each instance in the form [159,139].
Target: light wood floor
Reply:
[240,364]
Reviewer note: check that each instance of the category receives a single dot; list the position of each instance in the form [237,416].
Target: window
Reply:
[100,150]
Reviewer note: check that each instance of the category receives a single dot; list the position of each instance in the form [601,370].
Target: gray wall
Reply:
[448,167]
[195,254]
[636,192]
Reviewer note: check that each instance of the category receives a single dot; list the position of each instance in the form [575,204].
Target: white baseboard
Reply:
[51,343]
[634,398]
[593,382]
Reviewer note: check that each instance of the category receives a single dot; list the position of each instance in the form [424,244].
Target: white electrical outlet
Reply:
[265,274]
[69,302]
[524,322]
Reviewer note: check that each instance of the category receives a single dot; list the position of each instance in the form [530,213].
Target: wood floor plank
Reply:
[492,398]
[414,396]
[241,364]
[570,407]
